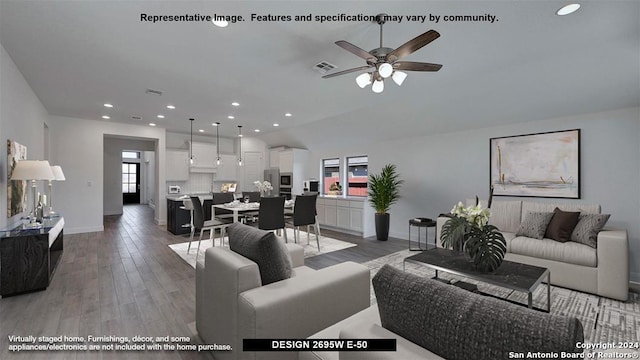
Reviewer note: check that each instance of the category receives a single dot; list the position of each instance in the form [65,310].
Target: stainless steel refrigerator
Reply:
[272,175]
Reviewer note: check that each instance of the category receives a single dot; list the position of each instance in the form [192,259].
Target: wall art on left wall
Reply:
[16,190]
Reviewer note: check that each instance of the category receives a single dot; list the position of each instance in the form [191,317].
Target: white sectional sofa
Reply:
[602,271]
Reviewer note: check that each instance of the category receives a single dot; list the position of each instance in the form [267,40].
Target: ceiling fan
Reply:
[385,60]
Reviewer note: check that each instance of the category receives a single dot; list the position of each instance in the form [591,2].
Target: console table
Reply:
[29,256]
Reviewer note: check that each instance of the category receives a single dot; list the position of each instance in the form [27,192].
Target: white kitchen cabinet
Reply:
[227,170]
[274,157]
[286,161]
[177,165]
[204,156]
[343,214]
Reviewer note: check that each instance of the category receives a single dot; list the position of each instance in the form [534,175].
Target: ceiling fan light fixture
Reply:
[568,9]
[398,77]
[363,80]
[385,70]
[378,86]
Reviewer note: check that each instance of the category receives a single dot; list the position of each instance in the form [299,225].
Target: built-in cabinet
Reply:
[343,214]
[177,165]
[293,162]
[204,157]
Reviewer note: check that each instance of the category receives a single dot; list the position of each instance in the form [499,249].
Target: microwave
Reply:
[285,180]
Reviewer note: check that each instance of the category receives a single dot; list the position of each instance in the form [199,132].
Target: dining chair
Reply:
[254,196]
[198,223]
[271,214]
[304,213]
[220,198]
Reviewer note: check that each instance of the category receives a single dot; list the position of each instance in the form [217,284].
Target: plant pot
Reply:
[382,226]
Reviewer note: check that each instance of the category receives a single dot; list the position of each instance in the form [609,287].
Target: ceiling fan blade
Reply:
[416,66]
[356,50]
[413,45]
[347,71]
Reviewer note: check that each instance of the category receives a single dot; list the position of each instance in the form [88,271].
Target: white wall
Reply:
[179,141]
[442,169]
[22,119]
[112,180]
[78,146]
[149,171]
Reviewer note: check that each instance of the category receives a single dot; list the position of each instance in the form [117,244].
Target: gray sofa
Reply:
[442,321]
[602,271]
[232,304]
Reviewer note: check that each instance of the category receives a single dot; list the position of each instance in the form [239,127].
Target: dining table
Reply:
[240,207]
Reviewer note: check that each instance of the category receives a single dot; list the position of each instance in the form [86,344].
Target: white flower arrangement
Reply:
[475,215]
[263,185]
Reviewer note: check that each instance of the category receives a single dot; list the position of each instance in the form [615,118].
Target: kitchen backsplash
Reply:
[197,183]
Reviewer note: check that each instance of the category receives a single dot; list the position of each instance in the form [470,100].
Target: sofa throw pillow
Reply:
[534,225]
[263,248]
[561,225]
[457,324]
[588,227]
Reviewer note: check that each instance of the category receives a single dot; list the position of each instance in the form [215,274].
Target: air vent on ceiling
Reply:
[323,67]
[153,92]
[135,117]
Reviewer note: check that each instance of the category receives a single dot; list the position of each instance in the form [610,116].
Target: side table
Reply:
[421,223]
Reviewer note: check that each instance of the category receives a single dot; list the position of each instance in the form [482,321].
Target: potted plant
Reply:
[468,230]
[384,190]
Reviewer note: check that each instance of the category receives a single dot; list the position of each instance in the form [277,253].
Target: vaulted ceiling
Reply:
[528,64]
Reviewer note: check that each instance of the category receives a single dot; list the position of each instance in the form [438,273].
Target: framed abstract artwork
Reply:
[16,190]
[536,165]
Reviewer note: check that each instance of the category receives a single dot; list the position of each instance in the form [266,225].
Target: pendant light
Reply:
[191,159]
[218,162]
[240,142]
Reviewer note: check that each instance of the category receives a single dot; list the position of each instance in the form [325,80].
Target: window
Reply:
[331,177]
[357,175]
[129,175]
[131,155]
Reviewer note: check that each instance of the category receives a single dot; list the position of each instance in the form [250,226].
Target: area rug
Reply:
[603,319]
[327,245]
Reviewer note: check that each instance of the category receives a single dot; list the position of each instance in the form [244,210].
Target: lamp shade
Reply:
[57,172]
[363,79]
[385,70]
[398,77]
[32,170]
[377,86]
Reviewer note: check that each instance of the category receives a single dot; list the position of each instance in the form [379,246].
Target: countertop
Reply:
[341,197]
[178,197]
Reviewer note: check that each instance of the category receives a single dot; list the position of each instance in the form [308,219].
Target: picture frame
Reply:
[16,189]
[536,165]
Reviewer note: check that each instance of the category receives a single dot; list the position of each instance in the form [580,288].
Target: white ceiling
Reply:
[530,64]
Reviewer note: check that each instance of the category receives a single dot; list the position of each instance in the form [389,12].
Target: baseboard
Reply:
[112,212]
[153,206]
[346,231]
[80,230]
[160,222]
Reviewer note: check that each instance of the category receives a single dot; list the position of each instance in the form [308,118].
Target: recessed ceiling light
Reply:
[106,117]
[171,107]
[276,124]
[214,124]
[108,105]
[160,116]
[288,115]
[257,130]
[235,103]
[219,21]
[152,124]
[568,9]
[231,117]
[201,130]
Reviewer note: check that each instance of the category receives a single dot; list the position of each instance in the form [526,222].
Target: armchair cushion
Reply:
[263,248]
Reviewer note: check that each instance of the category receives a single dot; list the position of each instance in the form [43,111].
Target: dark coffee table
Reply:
[510,275]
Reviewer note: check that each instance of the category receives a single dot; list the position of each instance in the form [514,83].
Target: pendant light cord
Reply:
[191,143]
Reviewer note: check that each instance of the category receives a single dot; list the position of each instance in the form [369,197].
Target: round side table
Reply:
[421,223]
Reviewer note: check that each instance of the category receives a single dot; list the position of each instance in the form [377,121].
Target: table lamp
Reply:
[33,170]
[59,176]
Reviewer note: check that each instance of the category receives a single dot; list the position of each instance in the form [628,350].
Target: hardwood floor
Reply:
[126,281]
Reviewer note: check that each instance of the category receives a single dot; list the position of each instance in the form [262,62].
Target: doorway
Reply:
[130,183]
